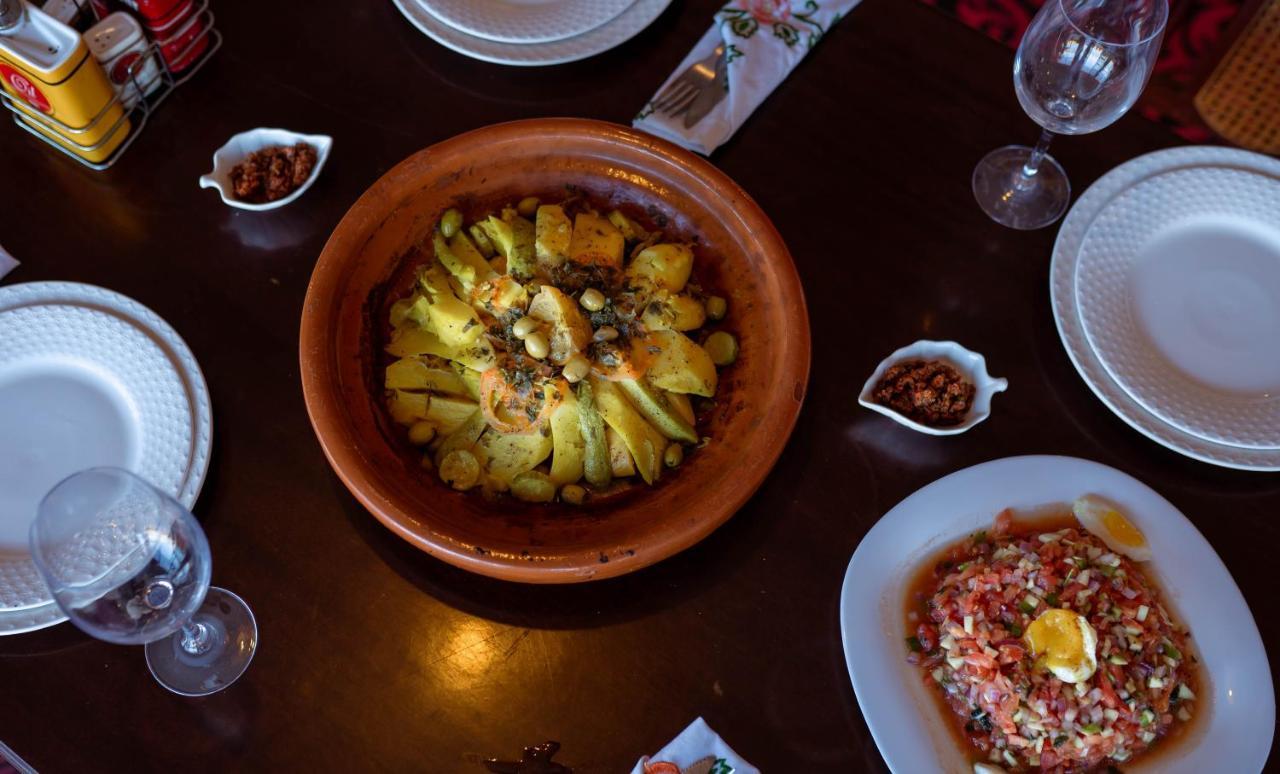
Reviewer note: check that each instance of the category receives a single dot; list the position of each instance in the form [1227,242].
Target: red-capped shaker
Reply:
[177,27]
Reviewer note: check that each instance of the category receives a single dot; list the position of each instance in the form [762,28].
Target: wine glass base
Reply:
[1014,200]
[234,634]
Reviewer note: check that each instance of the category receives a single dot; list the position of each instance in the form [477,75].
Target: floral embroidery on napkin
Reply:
[745,17]
[708,765]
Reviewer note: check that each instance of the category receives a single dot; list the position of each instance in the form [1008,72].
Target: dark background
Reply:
[374,656]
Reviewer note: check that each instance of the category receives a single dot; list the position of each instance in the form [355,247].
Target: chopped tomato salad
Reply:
[1129,663]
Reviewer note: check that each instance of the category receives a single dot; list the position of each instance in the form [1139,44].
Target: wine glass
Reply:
[1081,65]
[128,564]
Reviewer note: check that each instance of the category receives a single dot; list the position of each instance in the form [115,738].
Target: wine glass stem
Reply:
[196,638]
[1033,161]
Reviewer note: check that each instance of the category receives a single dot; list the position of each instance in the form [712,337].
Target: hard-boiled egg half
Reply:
[1063,642]
[1112,527]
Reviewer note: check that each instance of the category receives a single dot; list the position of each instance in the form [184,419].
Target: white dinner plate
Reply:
[88,377]
[1062,290]
[611,34]
[525,21]
[908,725]
[1178,285]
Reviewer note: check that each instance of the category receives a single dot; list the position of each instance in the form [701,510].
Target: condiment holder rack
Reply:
[138,114]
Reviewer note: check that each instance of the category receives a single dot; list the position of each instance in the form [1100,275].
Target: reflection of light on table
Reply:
[468,654]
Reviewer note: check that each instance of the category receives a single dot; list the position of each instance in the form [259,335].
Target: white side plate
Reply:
[907,723]
[611,34]
[525,21]
[241,145]
[1062,291]
[1178,285]
[87,377]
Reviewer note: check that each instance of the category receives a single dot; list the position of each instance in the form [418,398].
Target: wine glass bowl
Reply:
[1080,66]
[119,559]
[130,565]
[1083,63]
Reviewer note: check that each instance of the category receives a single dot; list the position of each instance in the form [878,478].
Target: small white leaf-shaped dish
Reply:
[970,365]
[241,145]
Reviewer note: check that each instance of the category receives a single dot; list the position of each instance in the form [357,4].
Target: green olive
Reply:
[528,206]
[592,300]
[460,469]
[450,222]
[524,326]
[674,455]
[576,369]
[533,487]
[536,345]
[717,308]
[722,347]
[421,433]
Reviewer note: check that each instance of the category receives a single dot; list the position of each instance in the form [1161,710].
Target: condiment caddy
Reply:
[90,97]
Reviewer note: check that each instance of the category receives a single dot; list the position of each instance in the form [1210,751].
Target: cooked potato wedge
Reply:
[408,407]
[664,266]
[410,373]
[644,442]
[553,234]
[507,455]
[682,365]
[568,447]
[570,332]
[596,242]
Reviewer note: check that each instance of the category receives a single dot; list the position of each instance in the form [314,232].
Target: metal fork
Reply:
[701,75]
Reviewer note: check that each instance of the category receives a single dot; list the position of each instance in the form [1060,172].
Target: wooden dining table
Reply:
[373,656]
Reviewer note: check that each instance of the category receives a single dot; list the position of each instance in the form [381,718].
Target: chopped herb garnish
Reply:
[1051,599]
[1172,652]
[1060,740]
[1092,728]
[913,643]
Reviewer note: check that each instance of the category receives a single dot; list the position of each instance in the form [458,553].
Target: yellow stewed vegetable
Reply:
[550,351]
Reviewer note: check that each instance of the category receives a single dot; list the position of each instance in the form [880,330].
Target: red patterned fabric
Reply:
[1194,30]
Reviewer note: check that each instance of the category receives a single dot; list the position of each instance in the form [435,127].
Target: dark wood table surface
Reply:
[374,656]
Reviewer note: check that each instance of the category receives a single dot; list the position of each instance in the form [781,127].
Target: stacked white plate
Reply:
[88,377]
[1166,291]
[531,32]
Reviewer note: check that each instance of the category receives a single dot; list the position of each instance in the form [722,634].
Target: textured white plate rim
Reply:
[1066,314]
[1268,168]
[607,36]
[540,16]
[188,370]
[904,719]
[227,156]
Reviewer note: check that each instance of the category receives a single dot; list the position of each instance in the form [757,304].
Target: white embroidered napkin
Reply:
[699,745]
[7,263]
[764,40]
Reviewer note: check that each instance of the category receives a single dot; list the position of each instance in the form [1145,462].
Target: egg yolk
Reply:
[1057,640]
[1122,530]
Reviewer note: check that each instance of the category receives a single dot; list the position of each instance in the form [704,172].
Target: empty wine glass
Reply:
[1081,65]
[128,564]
